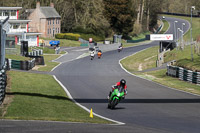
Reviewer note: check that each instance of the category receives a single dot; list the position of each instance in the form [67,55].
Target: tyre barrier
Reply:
[39,60]
[183,74]
[36,52]
[21,65]
[3,84]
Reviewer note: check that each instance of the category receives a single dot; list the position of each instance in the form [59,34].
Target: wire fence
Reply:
[3,65]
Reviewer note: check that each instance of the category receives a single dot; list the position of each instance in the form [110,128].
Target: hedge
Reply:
[69,36]
[72,36]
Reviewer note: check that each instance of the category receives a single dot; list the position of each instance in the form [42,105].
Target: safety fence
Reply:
[3,84]
[83,42]
[21,65]
[183,74]
[136,41]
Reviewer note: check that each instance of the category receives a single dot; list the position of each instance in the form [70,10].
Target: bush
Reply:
[69,36]
[94,38]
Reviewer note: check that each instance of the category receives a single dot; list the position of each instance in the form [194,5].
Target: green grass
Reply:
[69,43]
[165,28]
[66,43]
[16,57]
[40,97]
[141,61]
[161,77]
[47,50]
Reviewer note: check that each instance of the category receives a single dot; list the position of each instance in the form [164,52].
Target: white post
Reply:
[193,7]
[175,30]
[183,24]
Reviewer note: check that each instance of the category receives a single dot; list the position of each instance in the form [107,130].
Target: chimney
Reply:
[38,4]
[52,4]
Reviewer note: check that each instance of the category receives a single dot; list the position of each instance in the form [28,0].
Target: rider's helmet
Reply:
[123,82]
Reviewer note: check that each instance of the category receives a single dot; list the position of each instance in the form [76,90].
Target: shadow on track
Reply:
[140,101]
[106,100]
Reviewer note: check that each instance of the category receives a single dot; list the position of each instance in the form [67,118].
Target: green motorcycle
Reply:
[116,96]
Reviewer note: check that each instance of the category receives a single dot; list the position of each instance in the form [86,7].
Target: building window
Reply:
[53,21]
[58,30]
[15,26]
[48,31]
[23,26]
[50,21]
[13,13]
[5,13]
[1,13]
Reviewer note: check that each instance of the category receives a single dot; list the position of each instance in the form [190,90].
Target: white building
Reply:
[18,29]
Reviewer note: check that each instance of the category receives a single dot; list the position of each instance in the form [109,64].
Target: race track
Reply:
[148,105]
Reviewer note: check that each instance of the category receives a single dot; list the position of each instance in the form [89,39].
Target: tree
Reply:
[120,15]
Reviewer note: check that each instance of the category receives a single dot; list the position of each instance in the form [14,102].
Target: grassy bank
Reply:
[165,28]
[40,97]
[141,61]
[161,77]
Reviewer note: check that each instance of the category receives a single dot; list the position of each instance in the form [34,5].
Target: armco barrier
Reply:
[183,74]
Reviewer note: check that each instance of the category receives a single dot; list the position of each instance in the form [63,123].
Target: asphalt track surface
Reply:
[148,107]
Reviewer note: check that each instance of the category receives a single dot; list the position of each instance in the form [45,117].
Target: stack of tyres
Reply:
[24,65]
[3,83]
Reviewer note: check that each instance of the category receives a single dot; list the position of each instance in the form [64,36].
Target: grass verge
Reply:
[40,97]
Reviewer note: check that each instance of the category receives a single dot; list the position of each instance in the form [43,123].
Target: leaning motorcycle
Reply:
[116,96]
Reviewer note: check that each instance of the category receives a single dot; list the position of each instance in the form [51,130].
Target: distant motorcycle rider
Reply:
[121,84]
[92,54]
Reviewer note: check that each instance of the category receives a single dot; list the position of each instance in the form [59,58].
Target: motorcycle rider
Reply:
[99,53]
[92,53]
[120,48]
[122,84]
